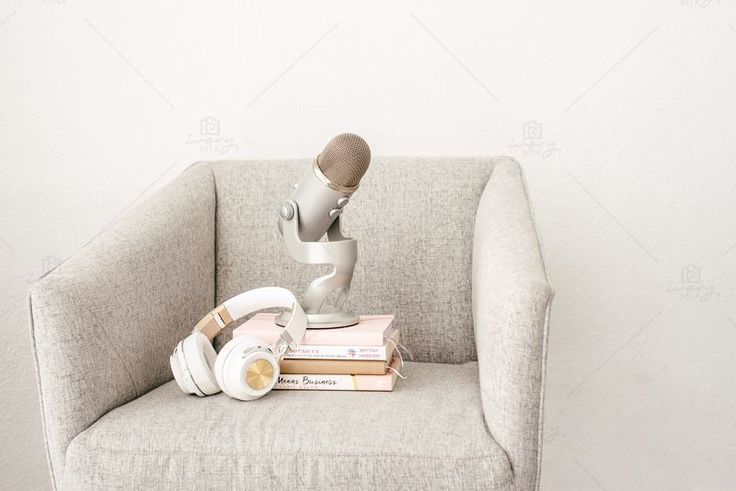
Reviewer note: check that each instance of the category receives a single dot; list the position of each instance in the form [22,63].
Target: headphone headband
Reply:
[251,301]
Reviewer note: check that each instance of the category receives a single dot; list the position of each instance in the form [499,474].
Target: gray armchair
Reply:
[448,245]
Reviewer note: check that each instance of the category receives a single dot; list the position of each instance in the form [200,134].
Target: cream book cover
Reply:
[304,381]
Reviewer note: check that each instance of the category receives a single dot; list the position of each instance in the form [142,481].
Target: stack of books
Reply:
[359,357]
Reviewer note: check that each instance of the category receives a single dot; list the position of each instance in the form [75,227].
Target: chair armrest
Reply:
[105,321]
[511,301]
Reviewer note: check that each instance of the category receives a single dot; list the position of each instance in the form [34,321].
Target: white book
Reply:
[330,352]
[296,381]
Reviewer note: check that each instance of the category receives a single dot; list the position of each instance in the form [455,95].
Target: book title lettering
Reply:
[305,380]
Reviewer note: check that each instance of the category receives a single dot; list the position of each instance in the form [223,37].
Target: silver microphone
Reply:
[313,210]
[328,185]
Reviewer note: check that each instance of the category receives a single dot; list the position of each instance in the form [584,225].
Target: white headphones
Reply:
[246,368]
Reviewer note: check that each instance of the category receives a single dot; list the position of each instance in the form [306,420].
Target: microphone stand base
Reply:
[331,320]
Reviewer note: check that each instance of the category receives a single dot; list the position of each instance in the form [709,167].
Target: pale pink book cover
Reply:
[372,330]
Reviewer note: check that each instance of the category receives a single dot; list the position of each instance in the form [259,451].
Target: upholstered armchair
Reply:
[447,245]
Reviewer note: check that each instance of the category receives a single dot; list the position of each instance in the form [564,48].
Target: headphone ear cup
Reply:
[200,358]
[244,370]
[181,372]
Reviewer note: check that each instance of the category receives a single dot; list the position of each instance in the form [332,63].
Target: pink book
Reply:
[372,330]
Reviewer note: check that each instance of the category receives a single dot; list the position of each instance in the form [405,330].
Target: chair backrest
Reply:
[413,219]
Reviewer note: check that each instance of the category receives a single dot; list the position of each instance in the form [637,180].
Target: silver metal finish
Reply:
[323,321]
[323,178]
[286,211]
[280,347]
[324,299]
[315,199]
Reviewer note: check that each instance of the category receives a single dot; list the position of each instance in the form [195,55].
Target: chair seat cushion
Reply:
[428,433]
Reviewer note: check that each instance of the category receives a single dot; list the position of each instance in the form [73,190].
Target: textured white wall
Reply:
[622,114]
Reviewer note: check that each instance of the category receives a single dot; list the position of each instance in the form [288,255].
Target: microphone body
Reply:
[313,210]
[328,185]
[319,204]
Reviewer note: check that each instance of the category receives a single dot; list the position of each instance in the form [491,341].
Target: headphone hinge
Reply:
[212,323]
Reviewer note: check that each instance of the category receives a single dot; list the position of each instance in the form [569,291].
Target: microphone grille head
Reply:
[345,159]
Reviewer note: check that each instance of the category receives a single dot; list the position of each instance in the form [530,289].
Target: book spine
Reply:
[334,367]
[323,337]
[334,382]
[310,352]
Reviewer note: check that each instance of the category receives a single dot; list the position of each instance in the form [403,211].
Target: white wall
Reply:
[622,114]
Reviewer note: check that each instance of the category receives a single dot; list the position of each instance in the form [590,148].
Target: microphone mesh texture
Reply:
[345,159]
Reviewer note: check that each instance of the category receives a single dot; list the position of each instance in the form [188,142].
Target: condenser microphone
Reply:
[328,185]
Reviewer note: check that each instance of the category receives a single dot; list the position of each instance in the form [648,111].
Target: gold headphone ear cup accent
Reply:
[259,374]
[239,373]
